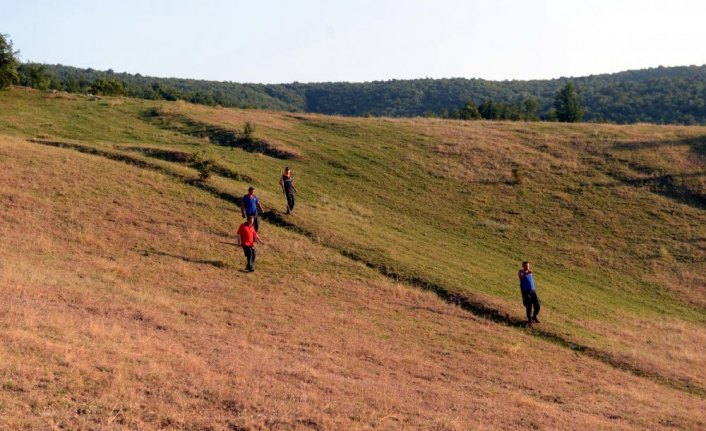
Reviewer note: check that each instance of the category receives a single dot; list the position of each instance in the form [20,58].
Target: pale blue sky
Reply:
[364,40]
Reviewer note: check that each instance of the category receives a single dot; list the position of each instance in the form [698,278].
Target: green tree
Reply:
[470,112]
[71,84]
[489,110]
[531,109]
[108,87]
[34,75]
[567,104]
[8,62]
[509,111]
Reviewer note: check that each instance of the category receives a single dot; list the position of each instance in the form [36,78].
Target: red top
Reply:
[247,235]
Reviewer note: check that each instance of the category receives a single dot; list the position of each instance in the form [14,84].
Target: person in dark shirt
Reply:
[288,188]
[529,293]
[247,237]
[249,207]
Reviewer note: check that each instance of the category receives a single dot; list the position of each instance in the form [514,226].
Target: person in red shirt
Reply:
[247,237]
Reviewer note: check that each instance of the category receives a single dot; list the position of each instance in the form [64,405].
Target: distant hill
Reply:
[658,95]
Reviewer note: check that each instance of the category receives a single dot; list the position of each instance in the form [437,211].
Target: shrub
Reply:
[108,87]
[202,165]
[518,175]
[249,131]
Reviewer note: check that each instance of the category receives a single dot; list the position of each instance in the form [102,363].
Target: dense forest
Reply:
[657,95]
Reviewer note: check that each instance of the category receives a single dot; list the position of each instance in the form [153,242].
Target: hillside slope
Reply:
[125,306]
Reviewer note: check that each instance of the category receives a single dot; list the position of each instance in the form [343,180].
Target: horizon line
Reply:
[111,70]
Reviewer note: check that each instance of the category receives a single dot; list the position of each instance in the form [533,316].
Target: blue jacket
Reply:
[526,282]
[250,203]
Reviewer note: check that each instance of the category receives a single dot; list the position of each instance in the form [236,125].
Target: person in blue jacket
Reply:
[249,207]
[529,293]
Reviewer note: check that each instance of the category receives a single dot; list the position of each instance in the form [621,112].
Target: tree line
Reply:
[567,108]
[656,95]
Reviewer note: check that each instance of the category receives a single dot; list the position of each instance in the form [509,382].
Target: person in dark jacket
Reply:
[288,188]
[529,293]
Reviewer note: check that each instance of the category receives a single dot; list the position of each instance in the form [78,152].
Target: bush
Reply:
[108,87]
[518,175]
[202,165]
[249,131]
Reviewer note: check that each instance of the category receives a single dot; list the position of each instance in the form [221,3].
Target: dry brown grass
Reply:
[123,308]
[235,118]
[670,347]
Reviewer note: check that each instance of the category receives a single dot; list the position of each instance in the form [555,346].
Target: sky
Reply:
[282,41]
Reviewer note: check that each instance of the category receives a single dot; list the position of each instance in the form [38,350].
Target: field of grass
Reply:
[125,306]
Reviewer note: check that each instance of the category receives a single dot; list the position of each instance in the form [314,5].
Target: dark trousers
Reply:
[530,300]
[249,255]
[290,201]
[255,222]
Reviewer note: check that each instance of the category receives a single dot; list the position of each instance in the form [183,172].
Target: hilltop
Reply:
[656,95]
[388,300]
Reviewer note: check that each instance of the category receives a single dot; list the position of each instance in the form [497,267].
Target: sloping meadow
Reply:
[612,218]
[121,275]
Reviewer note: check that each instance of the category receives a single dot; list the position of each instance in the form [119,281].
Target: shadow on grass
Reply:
[215,134]
[188,159]
[696,145]
[674,186]
[683,187]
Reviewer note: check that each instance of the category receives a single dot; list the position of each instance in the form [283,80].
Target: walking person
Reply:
[250,206]
[529,293]
[247,237]
[288,188]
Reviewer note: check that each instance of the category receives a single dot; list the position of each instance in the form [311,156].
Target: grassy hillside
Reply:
[126,306]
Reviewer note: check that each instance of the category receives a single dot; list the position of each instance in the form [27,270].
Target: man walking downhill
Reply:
[247,236]
[288,188]
[529,293]
[250,206]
